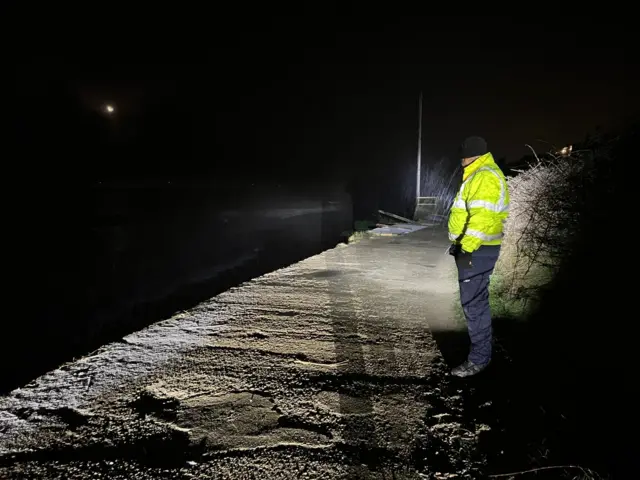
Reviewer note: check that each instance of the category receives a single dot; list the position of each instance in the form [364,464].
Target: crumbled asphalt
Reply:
[325,369]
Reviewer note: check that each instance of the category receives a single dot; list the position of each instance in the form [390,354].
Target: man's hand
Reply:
[463,260]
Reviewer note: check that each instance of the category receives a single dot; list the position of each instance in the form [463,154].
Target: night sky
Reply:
[334,95]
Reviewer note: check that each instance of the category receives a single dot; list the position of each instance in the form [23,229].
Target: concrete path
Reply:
[325,369]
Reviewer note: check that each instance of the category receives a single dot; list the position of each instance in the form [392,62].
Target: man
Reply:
[476,229]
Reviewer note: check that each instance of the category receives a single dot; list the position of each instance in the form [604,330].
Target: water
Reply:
[105,261]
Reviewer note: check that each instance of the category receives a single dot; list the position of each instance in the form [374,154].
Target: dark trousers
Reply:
[474,296]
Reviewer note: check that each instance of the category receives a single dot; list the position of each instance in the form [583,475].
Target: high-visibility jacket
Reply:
[481,206]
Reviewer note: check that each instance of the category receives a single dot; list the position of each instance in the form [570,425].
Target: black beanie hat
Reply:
[473,147]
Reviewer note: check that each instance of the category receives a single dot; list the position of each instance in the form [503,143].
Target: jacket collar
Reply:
[486,159]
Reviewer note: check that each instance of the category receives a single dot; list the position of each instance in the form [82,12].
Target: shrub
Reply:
[547,201]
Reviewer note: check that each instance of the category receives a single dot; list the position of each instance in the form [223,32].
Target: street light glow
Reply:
[566,151]
[109,108]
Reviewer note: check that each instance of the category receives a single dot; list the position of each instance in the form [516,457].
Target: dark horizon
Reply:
[343,99]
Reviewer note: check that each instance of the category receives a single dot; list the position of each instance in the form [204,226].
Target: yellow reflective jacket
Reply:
[480,207]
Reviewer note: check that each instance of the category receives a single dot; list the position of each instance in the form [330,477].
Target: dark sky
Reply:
[343,91]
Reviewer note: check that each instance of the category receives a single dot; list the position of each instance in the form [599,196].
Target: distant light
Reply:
[109,109]
[566,151]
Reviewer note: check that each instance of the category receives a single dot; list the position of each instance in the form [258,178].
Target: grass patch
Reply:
[360,231]
[517,302]
[505,301]
[502,304]
[357,236]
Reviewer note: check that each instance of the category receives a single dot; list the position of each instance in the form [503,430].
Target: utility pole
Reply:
[419,147]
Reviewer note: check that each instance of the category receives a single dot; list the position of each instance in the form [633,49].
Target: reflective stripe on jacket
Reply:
[481,206]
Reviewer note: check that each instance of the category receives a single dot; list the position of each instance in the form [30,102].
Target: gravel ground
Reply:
[325,369]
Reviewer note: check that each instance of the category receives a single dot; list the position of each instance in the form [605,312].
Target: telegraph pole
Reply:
[419,147]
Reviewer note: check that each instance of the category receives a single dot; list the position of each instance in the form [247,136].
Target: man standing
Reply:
[476,229]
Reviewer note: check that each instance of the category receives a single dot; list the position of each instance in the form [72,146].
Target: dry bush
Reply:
[546,204]
[439,179]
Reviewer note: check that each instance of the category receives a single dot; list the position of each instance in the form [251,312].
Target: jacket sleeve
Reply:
[481,198]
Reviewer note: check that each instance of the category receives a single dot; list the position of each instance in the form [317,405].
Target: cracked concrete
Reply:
[327,368]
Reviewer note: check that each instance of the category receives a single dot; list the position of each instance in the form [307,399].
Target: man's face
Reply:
[469,160]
